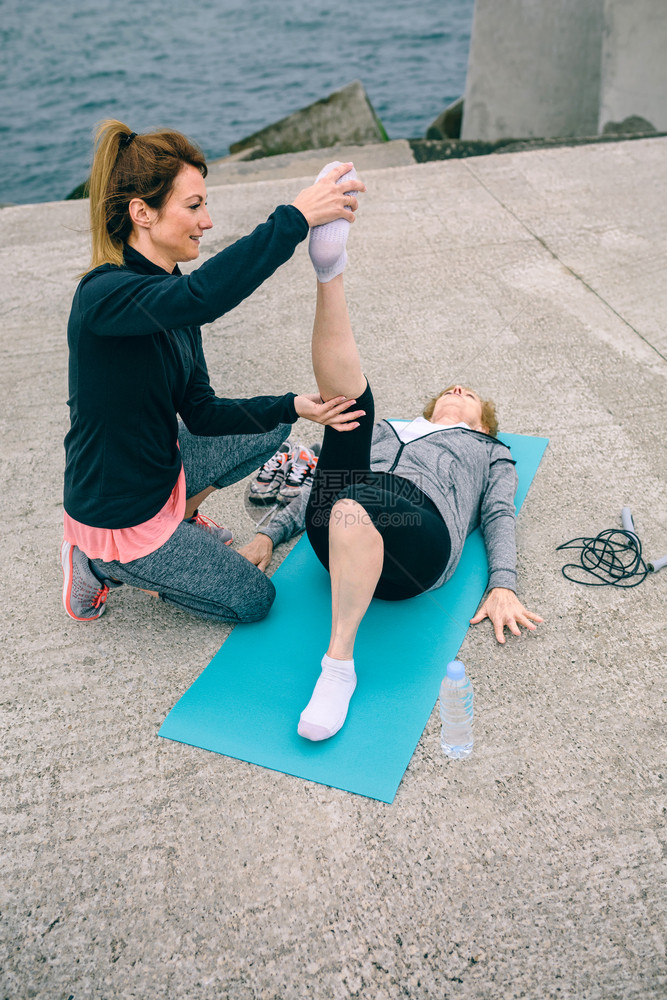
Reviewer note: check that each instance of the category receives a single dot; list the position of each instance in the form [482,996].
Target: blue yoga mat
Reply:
[247,702]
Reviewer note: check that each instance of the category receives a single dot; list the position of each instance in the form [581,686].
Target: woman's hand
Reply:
[504,608]
[334,413]
[258,551]
[325,200]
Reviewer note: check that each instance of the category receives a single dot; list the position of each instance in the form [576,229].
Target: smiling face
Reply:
[456,404]
[171,234]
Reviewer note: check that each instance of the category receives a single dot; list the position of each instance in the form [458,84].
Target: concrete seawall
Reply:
[136,867]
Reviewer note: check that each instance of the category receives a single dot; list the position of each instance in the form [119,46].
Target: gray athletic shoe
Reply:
[202,521]
[302,467]
[83,594]
[264,488]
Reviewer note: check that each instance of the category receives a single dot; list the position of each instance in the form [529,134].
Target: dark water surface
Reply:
[215,69]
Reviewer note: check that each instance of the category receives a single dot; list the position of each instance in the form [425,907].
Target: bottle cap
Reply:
[455,670]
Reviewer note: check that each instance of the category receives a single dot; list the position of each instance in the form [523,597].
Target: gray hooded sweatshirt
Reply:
[469,476]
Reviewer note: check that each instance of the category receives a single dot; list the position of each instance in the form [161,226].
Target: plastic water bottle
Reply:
[456,712]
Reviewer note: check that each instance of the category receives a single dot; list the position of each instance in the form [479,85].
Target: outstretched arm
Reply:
[123,302]
[503,608]
[501,605]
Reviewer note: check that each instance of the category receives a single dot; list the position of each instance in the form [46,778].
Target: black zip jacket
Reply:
[136,362]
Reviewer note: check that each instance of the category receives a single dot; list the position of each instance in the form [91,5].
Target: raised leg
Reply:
[336,361]
[355,546]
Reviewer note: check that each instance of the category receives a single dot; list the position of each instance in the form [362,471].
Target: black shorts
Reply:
[416,541]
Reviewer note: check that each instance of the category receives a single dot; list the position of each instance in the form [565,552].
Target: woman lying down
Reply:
[390,505]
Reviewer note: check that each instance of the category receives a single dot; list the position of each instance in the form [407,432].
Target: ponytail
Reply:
[127,166]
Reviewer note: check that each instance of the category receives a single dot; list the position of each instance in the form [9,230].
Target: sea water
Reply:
[217,70]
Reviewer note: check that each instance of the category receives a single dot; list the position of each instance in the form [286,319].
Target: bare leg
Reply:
[355,546]
[335,356]
[356,551]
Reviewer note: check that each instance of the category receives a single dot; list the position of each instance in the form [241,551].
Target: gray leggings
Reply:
[194,570]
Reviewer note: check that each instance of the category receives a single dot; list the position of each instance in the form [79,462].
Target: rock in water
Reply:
[346,116]
[448,124]
[633,125]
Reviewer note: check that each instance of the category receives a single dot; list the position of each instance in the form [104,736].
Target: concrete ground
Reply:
[137,867]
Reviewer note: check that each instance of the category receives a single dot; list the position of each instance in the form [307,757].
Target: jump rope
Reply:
[613,558]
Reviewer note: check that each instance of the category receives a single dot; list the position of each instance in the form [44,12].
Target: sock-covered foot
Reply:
[327,243]
[325,713]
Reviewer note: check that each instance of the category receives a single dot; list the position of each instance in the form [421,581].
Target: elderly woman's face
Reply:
[457,404]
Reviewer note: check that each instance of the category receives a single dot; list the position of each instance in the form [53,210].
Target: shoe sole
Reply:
[68,569]
[263,499]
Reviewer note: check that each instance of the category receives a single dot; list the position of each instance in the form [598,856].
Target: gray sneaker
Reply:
[264,488]
[302,468]
[202,521]
[83,594]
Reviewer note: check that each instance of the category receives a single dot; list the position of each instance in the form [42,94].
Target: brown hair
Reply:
[127,166]
[489,418]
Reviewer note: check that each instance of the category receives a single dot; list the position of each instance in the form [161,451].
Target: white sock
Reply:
[327,243]
[325,713]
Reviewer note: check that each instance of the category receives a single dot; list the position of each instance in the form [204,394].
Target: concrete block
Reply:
[634,67]
[448,124]
[346,116]
[534,69]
